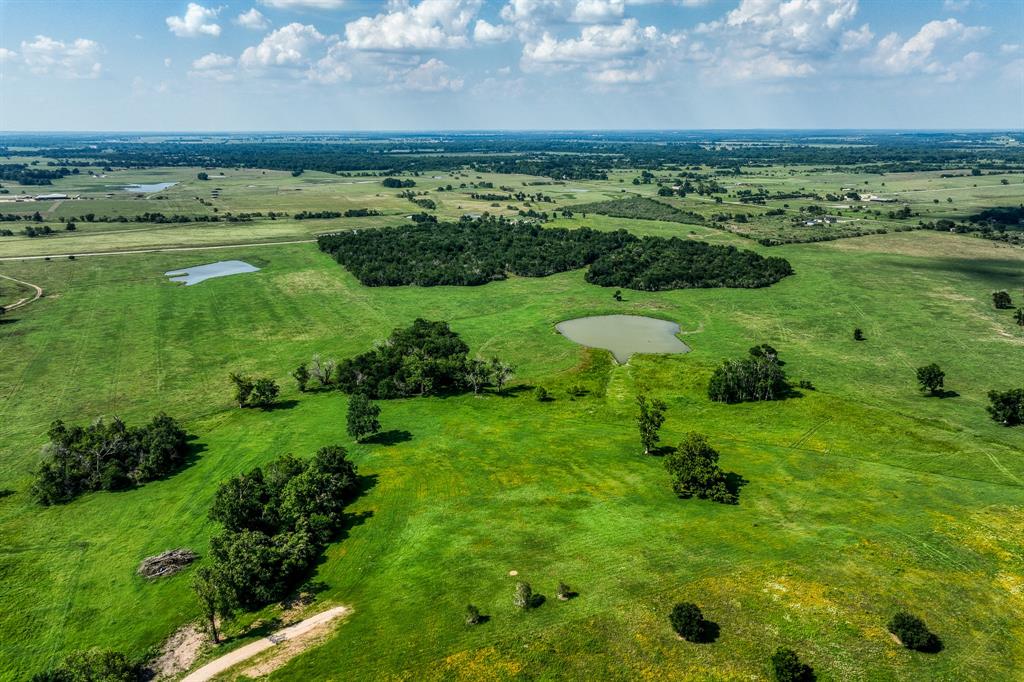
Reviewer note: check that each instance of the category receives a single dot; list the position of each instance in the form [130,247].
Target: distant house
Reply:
[881,200]
[50,197]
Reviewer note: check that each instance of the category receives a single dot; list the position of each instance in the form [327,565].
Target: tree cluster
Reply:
[397,183]
[94,665]
[1007,407]
[639,208]
[696,473]
[106,456]
[757,377]
[276,521]
[659,264]
[258,392]
[913,633]
[467,253]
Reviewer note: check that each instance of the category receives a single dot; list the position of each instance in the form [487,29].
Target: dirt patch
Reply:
[180,651]
[166,563]
[289,649]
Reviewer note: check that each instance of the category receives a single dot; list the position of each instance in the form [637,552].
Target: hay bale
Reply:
[166,563]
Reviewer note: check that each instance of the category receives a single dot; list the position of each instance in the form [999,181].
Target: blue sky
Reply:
[511,64]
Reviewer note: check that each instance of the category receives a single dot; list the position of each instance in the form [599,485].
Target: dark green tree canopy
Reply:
[695,471]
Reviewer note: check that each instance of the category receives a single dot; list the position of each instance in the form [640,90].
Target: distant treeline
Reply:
[477,251]
[562,156]
[24,174]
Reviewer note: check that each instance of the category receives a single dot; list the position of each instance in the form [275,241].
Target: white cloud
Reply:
[77,59]
[197,21]
[597,11]
[856,40]
[288,46]
[7,55]
[1010,48]
[486,32]
[431,76]
[596,43]
[894,56]
[253,20]
[431,24]
[303,4]
[333,67]
[215,66]
[167,62]
[791,25]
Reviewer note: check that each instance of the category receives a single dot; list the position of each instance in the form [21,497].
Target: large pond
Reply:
[201,273]
[624,335]
[150,188]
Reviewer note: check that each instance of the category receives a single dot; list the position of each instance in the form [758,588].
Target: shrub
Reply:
[687,621]
[576,391]
[930,378]
[523,597]
[564,591]
[99,665]
[1007,407]
[858,335]
[1001,299]
[541,394]
[913,633]
[361,419]
[786,667]
[264,393]
[472,615]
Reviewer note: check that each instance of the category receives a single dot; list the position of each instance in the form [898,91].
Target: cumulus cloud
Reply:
[303,4]
[895,56]
[214,66]
[432,75]
[197,21]
[431,24]
[791,25]
[253,20]
[857,39]
[77,59]
[7,55]
[486,32]
[288,46]
[597,11]
[333,67]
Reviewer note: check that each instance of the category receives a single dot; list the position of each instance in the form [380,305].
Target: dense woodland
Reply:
[478,251]
[659,264]
[469,252]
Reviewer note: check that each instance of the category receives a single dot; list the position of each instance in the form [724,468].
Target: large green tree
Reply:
[931,378]
[695,471]
[215,598]
[362,418]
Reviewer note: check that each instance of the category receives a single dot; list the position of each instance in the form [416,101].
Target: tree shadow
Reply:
[569,596]
[281,405]
[709,632]
[258,630]
[481,619]
[391,437]
[5,492]
[734,483]
[943,393]
[661,451]
[513,391]
[537,600]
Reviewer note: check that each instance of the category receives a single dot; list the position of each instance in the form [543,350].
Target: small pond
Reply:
[150,188]
[624,335]
[201,273]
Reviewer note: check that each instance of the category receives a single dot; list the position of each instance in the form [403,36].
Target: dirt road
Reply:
[28,299]
[219,665]
[156,250]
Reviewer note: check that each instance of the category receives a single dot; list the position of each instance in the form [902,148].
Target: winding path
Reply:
[28,299]
[219,665]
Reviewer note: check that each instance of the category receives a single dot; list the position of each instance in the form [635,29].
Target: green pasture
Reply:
[861,497]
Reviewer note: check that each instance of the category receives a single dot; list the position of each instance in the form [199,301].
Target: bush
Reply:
[523,597]
[541,394]
[472,615]
[786,667]
[361,419]
[913,633]
[687,621]
[1007,407]
[94,665]
[931,378]
[564,592]
[858,335]
[1002,300]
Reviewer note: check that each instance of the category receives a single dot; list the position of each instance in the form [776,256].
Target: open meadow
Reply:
[859,497]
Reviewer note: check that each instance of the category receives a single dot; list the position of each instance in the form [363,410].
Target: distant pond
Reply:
[150,188]
[201,273]
[624,335]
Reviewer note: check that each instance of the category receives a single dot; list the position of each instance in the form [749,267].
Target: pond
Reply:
[150,188]
[201,273]
[624,335]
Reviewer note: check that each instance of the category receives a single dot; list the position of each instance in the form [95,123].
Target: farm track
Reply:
[156,250]
[21,303]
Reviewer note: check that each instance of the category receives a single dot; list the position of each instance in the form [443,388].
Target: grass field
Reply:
[862,496]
